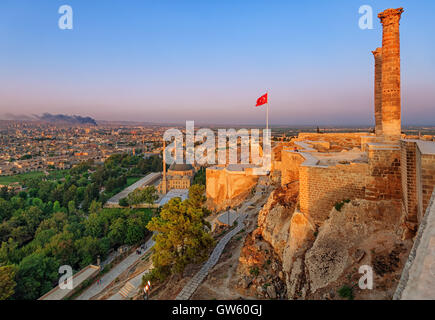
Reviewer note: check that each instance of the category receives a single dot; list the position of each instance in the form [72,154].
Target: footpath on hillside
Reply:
[110,276]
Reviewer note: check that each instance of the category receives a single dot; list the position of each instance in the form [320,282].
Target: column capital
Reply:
[390,16]
[377,52]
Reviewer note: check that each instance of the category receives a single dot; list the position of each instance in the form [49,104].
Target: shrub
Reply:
[254,271]
[346,292]
[123,202]
[340,205]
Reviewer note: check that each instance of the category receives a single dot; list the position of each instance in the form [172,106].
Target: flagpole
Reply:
[267,111]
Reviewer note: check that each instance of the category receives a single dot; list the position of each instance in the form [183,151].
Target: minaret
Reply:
[378,91]
[391,103]
[164,183]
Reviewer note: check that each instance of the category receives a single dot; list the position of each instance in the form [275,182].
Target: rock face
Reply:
[300,238]
[275,217]
[314,264]
[359,226]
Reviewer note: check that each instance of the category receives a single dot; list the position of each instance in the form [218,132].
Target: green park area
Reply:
[21,177]
[5,180]
[60,220]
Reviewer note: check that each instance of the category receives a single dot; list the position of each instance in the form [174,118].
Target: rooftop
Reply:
[180,167]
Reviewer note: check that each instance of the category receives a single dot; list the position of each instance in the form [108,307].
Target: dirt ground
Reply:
[222,279]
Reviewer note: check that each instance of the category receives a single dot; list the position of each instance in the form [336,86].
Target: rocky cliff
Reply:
[316,264]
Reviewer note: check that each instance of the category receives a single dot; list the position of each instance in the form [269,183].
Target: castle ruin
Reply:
[387,177]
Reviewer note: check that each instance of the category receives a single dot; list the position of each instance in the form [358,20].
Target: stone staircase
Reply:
[194,283]
[126,289]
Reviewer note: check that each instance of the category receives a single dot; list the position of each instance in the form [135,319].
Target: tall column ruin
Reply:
[391,123]
[378,91]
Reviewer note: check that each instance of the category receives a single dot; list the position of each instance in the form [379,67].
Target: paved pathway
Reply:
[228,217]
[147,180]
[114,273]
[193,283]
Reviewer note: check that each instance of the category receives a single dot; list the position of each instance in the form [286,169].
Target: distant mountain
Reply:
[66,119]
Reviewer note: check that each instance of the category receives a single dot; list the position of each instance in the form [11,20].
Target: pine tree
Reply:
[181,237]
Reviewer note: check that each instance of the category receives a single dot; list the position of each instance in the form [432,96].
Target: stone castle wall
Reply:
[410,179]
[290,166]
[427,179]
[418,177]
[384,177]
[225,188]
[322,187]
[349,139]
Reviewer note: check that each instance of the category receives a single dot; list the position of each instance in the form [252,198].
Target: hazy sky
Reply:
[210,60]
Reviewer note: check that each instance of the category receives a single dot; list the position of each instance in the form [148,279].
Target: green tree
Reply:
[69,195]
[95,207]
[88,248]
[197,196]
[123,202]
[22,194]
[61,247]
[7,275]
[111,184]
[94,225]
[4,193]
[117,231]
[5,210]
[36,276]
[181,237]
[135,231]
[143,195]
[56,207]
[71,207]
[200,177]
[9,252]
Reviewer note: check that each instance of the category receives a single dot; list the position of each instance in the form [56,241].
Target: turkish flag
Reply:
[262,100]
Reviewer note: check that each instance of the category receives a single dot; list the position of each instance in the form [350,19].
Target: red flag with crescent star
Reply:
[262,100]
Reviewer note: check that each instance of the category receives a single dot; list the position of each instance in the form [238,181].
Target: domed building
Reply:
[179,176]
[180,169]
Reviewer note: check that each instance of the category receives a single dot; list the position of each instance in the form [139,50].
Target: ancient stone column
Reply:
[391,125]
[378,91]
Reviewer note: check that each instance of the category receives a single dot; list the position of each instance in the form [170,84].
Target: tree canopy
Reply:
[143,195]
[180,234]
[60,220]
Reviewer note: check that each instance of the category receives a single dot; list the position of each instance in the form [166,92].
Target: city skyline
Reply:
[170,62]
